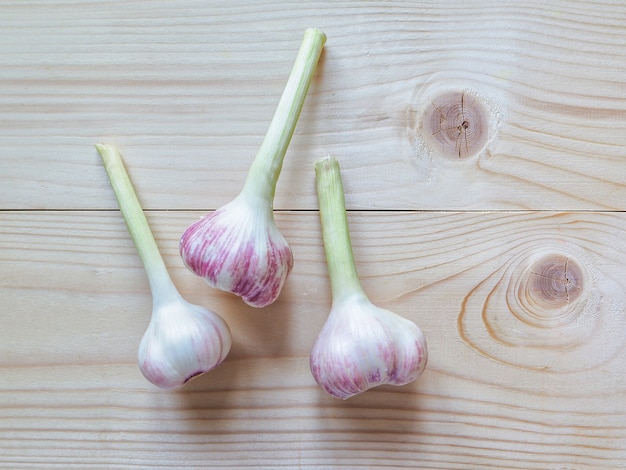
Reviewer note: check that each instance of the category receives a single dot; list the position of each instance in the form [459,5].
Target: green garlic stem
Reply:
[344,279]
[265,169]
[161,284]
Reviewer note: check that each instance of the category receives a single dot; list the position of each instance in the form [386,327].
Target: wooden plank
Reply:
[522,373]
[187,92]
[524,310]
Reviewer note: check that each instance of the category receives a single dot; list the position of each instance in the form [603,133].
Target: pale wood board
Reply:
[186,90]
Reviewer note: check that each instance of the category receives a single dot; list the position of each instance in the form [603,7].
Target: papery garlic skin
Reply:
[182,341]
[362,346]
[238,248]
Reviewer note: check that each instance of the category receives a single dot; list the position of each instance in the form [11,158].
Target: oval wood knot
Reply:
[551,284]
[456,125]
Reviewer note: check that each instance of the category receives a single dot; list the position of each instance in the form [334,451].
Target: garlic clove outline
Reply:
[360,345]
[238,248]
[182,340]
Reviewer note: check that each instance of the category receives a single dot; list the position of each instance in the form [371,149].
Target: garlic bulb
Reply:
[182,340]
[361,345]
[238,248]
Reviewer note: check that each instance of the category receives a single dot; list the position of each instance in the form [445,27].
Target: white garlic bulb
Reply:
[183,340]
[238,248]
[361,345]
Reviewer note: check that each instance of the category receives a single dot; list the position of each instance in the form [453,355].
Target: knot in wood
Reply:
[553,282]
[455,125]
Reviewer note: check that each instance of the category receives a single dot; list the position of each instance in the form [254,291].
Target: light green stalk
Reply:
[265,169]
[344,279]
[161,284]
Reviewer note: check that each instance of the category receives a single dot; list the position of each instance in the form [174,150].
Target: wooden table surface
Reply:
[511,258]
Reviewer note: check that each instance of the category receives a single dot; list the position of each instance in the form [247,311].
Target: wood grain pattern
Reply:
[188,90]
[75,309]
[512,261]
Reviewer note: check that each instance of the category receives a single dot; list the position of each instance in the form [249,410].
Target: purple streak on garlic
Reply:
[183,340]
[238,248]
[361,345]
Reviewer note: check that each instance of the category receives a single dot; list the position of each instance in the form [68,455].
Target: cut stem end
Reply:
[342,270]
[268,162]
[160,282]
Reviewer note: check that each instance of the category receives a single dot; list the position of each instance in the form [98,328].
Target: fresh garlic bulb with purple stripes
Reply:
[182,340]
[238,248]
[361,345]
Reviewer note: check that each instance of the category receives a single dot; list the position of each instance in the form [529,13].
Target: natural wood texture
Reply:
[188,90]
[512,261]
[549,394]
